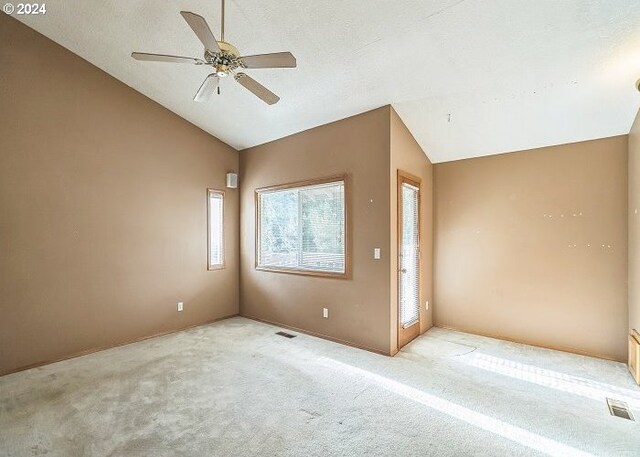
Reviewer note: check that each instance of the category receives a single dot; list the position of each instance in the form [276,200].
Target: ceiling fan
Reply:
[225,60]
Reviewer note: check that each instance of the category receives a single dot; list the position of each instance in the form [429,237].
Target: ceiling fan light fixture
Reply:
[225,59]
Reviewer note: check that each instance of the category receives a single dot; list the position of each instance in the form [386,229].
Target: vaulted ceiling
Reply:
[468,77]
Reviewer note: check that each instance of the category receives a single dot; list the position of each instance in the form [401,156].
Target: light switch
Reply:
[376,253]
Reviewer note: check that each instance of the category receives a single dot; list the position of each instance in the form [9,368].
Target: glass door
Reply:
[408,259]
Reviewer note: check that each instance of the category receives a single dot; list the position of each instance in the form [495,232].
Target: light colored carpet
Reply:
[234,388]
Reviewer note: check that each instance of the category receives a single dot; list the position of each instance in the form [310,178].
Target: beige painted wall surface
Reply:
[359,306]
[408,156]
[634,225]
[532,246]
[103,204]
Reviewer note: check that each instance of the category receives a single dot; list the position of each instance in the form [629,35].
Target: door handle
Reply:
[403,270]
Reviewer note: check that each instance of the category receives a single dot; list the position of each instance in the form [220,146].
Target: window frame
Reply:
[220,266]
[347,228]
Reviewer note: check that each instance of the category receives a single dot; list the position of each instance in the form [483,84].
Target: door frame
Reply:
[405,335]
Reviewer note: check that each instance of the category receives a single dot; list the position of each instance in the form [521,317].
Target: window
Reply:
[215,229]
[301,228]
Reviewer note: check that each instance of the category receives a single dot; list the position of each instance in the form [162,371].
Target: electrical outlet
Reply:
[180,306]
[325,313]
[376,253]
[426,305]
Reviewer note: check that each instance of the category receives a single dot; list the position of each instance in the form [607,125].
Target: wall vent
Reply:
[619,409]
[285,334]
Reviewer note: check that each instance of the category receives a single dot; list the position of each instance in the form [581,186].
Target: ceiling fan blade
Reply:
[202,30]
[207,88]
[258,89]
[275,60]
[165,58]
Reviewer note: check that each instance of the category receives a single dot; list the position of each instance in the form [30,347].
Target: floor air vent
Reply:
[285,334]
[619,409]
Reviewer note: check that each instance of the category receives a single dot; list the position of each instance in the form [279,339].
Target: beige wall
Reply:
[103,209]
[512,260]
[408,156]
[634,225]
[359,306]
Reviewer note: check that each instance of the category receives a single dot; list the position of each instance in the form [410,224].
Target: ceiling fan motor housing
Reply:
[224,61]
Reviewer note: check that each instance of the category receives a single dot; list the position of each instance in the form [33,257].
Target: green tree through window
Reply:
[303,228]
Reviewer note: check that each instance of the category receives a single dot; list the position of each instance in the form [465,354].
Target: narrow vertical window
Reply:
[215,238]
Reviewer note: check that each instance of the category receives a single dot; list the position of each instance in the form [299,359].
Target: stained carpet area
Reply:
[235,388]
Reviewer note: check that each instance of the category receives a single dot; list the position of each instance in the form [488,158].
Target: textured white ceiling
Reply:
[468,77]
